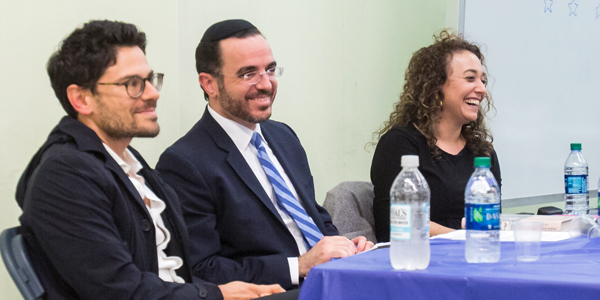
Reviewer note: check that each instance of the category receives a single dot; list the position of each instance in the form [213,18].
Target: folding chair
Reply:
[17,263]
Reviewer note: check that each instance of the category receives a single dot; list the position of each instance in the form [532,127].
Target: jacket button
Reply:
[203,293]
[146,225]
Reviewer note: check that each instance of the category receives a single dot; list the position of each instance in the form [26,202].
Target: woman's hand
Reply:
[435,229]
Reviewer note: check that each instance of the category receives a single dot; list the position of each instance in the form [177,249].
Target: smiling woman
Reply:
[440,117]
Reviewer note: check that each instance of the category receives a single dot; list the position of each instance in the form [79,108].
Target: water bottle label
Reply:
[400,215]
[482,216]
[576,184]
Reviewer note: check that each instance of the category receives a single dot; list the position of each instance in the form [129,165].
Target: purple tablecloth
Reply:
[568,269]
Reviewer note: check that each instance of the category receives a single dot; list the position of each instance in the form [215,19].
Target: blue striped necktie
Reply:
[286,200]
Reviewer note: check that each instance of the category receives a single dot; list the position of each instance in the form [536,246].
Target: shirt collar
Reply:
[130,163]
[240,134]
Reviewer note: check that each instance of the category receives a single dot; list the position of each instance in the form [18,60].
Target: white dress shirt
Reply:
[166,264]
[241,137]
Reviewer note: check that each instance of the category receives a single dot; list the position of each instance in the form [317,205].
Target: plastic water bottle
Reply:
[482,214]
[409,217]
[576,183]
[584,225]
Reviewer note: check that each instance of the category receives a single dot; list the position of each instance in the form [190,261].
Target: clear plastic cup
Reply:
[528,237]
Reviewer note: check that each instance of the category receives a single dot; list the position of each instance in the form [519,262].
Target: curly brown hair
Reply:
[420,101]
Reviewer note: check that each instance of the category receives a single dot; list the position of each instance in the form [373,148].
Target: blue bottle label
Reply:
[400,222]
[576,184]
[481,216]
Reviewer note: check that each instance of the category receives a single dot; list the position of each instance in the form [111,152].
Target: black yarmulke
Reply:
[225,29]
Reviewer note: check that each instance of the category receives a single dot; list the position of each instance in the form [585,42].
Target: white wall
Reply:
[452,14]
[344,64]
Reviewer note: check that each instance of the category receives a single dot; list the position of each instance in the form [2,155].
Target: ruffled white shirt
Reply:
[166,264]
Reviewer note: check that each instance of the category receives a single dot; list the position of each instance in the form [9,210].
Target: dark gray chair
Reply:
[350,205]
[549,210]
[17,263]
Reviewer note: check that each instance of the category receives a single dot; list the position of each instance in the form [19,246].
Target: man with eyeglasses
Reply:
[244,180]
[97,221]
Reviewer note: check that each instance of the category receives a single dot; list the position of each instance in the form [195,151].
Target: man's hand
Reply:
[327,248]
[242,290]
[362,244]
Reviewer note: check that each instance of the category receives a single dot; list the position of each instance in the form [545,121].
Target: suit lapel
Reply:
[287,161]
[88,141]
[237,161]
[290,160]
[112,165]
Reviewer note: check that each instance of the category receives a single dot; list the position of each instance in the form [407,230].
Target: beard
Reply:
[240,109]
[117,127]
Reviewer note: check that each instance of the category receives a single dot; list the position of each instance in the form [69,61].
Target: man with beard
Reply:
[97,221]
[244,181]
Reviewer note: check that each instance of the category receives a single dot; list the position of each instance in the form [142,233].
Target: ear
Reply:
[209,84]
[80,99]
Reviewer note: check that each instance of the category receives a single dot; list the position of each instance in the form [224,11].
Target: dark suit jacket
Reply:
[235,230]
[87,230]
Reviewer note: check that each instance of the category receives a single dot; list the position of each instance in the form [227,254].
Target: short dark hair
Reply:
[84,56]
[208,54]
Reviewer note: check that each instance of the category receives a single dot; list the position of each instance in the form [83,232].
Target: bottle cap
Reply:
[482,162]
[575,146]
[410,161]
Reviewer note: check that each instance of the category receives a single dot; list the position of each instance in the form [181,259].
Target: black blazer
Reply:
[87,230]
[236,232]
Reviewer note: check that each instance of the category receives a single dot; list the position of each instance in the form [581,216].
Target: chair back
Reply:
[17,263]
[350,205]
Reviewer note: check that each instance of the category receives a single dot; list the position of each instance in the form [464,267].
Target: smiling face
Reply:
[237,100]
[464,88]
[115,115]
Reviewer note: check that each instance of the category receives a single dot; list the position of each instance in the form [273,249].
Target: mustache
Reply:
[260,94]
[148,105]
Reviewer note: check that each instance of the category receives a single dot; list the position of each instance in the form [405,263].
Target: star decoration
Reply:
[598,11]
[548,5]
[573,8]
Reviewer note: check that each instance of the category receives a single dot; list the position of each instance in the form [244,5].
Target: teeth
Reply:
[472,101]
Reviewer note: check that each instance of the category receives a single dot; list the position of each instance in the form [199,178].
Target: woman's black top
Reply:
[446,175]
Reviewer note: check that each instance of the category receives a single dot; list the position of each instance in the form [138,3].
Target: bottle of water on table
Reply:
[576,183]
[482,214]
[409,217]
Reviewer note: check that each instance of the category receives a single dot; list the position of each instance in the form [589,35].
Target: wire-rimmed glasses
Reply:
[255,77]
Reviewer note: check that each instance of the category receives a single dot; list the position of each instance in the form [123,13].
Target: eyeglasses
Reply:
[254,77]
[136,85]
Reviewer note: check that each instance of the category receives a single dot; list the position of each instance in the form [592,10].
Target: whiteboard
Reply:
[543,58]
